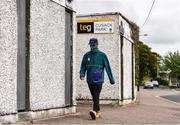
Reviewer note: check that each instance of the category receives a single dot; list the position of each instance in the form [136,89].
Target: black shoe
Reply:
[93,115]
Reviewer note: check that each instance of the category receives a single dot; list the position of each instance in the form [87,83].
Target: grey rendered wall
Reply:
[47,55]
[108,43]
[127,60]
[127,51]
[74,59]
[8,56]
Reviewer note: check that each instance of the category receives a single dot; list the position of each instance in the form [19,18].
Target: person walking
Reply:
[94,62]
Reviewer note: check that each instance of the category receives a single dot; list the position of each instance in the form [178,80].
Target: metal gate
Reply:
[68,58]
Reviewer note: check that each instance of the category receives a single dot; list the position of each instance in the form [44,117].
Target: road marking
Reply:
[167,100]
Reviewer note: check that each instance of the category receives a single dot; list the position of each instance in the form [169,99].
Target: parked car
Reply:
[148,85]
[178,85]
[155,83]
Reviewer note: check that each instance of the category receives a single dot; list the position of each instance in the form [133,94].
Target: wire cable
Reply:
[148,14]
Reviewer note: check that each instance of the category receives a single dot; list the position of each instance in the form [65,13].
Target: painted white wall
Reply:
[8,57]
[109,44]
[74,58]
[127,62]
[47,55]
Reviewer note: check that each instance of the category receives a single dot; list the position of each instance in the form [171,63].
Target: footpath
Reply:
[150,110]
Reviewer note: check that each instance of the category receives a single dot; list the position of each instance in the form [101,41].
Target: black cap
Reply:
[93,41]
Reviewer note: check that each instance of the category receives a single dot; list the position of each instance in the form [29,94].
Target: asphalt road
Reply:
[174,98]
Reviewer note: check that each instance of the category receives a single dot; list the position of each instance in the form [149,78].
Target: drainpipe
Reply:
[132,71]
[122,68]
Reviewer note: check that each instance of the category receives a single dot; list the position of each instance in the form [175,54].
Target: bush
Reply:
[162,82]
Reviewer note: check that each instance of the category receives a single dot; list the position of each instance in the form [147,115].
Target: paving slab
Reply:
[151,109]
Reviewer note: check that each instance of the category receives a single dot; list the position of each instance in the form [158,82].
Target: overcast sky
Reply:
[163,26]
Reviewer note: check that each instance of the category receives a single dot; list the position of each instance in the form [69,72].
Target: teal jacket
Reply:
[94,63]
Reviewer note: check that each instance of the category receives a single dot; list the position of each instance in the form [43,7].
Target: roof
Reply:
[103,14]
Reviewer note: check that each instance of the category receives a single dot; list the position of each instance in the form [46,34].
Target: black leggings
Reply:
[95,93]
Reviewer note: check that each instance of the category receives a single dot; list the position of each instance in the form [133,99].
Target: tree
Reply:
[152,65]
[148,62]
[171,64]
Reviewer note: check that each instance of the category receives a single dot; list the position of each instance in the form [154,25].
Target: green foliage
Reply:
[162,82]
[148,62]
[171,64]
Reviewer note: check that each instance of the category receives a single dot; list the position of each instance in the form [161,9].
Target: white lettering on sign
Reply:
[103,27]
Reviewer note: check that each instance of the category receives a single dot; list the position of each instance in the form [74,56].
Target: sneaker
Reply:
[93,114]
[98,114]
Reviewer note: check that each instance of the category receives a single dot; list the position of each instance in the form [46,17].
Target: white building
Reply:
[36,38]
[113,32]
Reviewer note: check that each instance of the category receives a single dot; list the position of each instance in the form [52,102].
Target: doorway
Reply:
[23,13]
[68,57]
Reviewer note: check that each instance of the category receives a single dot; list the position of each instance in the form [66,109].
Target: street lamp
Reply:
[143,35]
